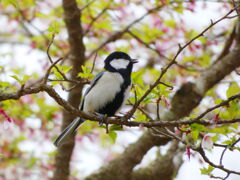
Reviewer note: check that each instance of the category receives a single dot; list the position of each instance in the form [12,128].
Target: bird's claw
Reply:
[102,117]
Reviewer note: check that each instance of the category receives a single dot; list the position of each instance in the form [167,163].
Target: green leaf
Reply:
[231,141]
[17,78]
[189,59]
[179,9]
[170,23]
[21,81]
[140,117]
[215,138]
[195,135]
[233,89]
[25,78]
[64,69]
[218,101]
[115,127]
[32,162]
[4,85]
[205,59]
[9,2]
[28,3]
[207,171]
[54,28]
[198,127]
[86,73]
[113,136]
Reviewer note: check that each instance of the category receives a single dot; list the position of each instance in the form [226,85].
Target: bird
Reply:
[107,93]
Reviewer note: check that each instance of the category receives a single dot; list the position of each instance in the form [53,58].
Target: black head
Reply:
[119,62]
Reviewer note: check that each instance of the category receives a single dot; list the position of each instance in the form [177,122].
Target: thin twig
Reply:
[170,87]
[223,103]
[228,174]
[216,177]
[227,44]
[50,58]
[237,7]
[142,111]
[158,114]
[202,153]
[147,45]
[199,149]
[45,79]
[87,5]
[48,48]
[94,62]
[135,93]
[164,70]
[223,152]
[95,19]
[160,54]
[118,34]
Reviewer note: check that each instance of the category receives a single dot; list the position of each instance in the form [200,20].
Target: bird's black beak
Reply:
[134,61]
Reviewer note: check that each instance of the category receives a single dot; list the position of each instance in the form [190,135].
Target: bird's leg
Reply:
[102,117]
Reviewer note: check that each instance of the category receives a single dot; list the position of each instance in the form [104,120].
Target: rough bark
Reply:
[164,167]
[72,17]
[121,167]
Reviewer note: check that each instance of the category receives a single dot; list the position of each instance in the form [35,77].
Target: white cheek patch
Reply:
[119,63]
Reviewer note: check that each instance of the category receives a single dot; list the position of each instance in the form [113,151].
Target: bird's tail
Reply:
[68,131]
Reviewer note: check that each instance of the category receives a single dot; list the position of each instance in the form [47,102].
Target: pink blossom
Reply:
[207,142]
[177,131]
[188,152]
[165,29]
[198,46]
[156,22]
[215,119]
[33,44]
[166,103]
[4,114]
[79,138]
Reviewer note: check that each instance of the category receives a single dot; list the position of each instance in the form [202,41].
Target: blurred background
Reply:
[147,30]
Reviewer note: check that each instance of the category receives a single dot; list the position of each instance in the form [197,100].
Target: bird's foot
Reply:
[102,117]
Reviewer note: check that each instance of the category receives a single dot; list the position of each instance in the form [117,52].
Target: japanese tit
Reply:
[107,92]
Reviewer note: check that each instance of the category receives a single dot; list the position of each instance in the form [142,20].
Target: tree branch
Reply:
[184,101]
[163,167]
[173,61]
[118,34]
[118,121]
[96,18]
[121,167]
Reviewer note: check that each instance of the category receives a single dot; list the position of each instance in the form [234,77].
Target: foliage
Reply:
[154,41]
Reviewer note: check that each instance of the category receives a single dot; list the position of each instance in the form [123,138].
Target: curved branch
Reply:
[173,61]
[118,121]
[121,167]
[163,167]
[188,97]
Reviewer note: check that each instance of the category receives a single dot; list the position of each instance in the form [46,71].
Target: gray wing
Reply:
[92,84]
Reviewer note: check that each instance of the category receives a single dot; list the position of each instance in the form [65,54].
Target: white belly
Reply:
[103,92]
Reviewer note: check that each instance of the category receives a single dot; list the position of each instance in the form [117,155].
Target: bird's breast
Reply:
[103,92]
